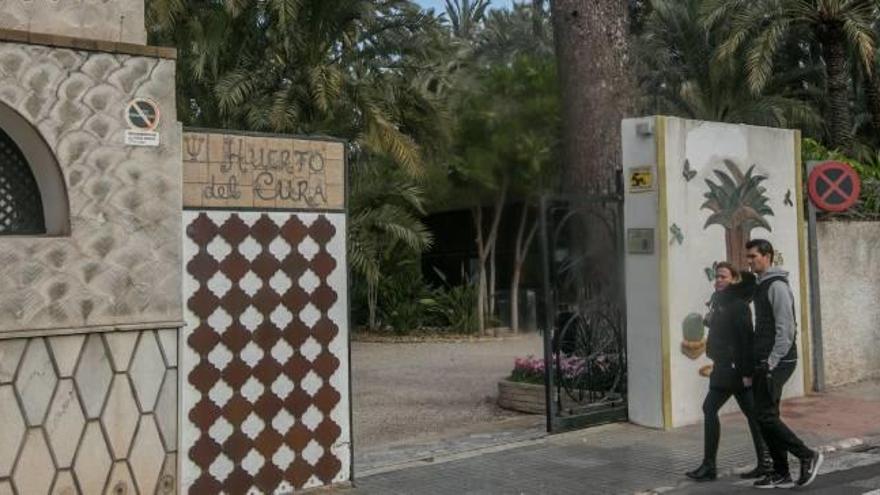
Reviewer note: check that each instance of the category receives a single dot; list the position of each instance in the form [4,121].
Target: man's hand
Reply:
[747,381]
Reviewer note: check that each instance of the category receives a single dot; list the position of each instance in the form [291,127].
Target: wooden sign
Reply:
[262,172]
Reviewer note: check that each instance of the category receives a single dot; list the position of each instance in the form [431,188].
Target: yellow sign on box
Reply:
[641,179]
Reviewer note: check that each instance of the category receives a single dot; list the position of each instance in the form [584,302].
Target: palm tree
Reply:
[680,75]
[738,204]
[354,69]
[761,27]
[386,218]
[466,16]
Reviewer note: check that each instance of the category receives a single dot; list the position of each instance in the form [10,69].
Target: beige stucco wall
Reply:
[120,265]
[112,20]
[849,270]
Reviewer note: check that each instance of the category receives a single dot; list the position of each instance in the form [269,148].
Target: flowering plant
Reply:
[571,369]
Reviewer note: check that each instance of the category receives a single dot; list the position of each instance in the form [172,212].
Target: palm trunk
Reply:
[372,302]
[872,95]
[840,118]
[592,49]
[736,239]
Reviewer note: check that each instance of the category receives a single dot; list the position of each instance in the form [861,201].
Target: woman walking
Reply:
[731,348]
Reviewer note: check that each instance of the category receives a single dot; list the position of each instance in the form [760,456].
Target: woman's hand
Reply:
[747,381]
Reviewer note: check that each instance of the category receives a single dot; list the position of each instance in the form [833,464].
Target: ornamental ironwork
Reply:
[21,207]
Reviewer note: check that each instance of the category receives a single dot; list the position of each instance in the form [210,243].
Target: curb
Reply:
[838,445]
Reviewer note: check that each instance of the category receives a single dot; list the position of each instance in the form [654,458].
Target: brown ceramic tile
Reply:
[236,373]
[234,230]
[237,446]
[327,467]
[204,414]
[202,267]
[269,476]
[234,266]
[237,410]
[203,339]
[202,230]
[299,472]
[204,452]
[327,398]
[204,376]
[321,230]
[264,230]
[239,481]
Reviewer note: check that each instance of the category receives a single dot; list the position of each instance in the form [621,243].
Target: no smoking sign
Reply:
[142,116]
[834,186]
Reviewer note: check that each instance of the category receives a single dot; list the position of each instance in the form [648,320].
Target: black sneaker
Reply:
[775,480]
[809,469]
[759,472]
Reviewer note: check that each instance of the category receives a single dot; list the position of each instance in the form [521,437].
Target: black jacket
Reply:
[731,342]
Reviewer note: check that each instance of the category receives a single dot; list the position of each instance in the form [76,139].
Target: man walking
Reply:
[776,353]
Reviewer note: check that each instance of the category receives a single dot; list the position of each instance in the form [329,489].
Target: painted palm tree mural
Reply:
[739,204]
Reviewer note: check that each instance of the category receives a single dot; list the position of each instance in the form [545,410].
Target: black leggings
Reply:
[715,399]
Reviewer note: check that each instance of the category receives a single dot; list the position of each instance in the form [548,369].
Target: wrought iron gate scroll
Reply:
[584,308]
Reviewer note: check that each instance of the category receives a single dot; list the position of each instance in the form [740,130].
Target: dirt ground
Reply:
[408,391]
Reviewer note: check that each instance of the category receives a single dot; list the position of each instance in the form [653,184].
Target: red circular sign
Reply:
[834,186]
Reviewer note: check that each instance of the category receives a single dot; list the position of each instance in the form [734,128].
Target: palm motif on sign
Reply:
[738,203]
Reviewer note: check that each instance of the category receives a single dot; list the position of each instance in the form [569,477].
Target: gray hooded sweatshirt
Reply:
[782,301]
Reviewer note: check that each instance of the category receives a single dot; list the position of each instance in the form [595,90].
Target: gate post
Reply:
[265,352]
[696,193]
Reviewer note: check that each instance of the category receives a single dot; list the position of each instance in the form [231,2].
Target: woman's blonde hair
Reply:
[733,271]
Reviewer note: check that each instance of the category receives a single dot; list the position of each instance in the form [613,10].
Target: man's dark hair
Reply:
[763,246]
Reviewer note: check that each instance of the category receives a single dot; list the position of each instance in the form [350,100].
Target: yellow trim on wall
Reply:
[806,334]
[663,232]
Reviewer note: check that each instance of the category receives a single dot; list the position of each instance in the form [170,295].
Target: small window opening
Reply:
[21,206]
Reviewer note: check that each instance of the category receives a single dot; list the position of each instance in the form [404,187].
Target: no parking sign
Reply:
[834,186]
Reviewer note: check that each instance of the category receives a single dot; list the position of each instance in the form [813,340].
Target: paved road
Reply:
[846,473]
[410,393]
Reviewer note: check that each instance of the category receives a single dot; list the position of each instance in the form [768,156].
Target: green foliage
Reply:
[355,69]
[403,298]
[680,73]
[738,199]
[454,308]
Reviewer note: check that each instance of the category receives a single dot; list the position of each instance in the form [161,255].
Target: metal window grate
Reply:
[21,208]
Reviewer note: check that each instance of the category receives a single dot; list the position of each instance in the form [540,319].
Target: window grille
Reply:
[21,207]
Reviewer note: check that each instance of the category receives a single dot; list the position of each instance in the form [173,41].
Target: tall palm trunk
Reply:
[597,88]
[872,95]
[840,115]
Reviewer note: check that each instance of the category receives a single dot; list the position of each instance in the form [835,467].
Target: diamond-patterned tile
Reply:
[35,382]
[166,410]
[271,345]
[32,473]
[10,355]
[92,465]
[147,371]
[147,455]
[120,482]
[65,484]
[12,431]
[93,376]
[65,350]
[121,345]
[120,417]
[168,340]
[65,423]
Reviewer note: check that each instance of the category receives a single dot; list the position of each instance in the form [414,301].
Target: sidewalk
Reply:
[623,458]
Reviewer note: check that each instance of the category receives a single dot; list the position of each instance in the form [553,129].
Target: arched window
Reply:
[21,206]
[33,194]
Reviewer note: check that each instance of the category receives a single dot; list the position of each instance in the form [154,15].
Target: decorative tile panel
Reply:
[265,356]
[66,451]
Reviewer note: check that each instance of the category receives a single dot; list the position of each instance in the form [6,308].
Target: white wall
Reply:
[705,145]
[849,265]
[657,305]
[645,387]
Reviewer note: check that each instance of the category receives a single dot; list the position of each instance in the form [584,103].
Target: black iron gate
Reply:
[584,308]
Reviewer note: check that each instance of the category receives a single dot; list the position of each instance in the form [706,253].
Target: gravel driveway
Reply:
[406,391]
